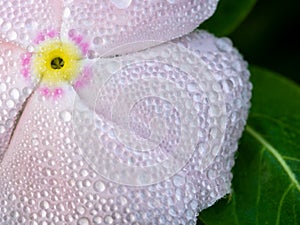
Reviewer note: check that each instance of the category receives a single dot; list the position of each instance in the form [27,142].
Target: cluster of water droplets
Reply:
[13,92]
[134,25]
[55,172]
[21,21]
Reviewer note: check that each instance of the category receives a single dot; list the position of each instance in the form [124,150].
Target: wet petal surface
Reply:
[15,87]
[22,22]
[117,27]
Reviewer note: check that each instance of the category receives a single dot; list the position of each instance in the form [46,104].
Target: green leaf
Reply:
[266,177]
[228,16]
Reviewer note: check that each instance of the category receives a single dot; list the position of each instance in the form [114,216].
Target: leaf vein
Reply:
[259,186]
[235,214]
[275,153]
[291,158]
[281,203]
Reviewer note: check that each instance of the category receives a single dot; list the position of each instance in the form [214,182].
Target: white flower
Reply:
[105,120]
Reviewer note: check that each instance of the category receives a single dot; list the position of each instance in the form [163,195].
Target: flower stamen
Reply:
[57,63]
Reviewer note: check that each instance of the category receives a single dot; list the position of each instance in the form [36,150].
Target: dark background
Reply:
[268,37]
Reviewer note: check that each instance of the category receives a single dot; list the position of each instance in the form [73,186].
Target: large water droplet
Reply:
[15,94]
[5,26]
[30,24]
[12,35]
[83,221]
[2,129]
[99,186]
[121,4]
[65,116]
[67,12]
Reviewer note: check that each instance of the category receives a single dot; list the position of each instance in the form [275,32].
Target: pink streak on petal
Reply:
[57,93]
[40,38]
[79,41]
[45,92]
[26,59]
[45,34]
[84,78]
[51,93]
[52,33]
[25,73]
[84,48]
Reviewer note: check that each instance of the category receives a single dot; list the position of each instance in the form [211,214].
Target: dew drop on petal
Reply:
[30,23]
[5,26]
[65,116]
[15,94]
[83,221]
[2,129]
[2,87]
[97,220]
[12,35]
[67,12]
[99,186]
[108,220]
[10,104]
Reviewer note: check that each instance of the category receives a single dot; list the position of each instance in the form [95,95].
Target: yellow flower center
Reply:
[56,62]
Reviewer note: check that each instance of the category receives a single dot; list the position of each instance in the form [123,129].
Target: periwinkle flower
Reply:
[110,115]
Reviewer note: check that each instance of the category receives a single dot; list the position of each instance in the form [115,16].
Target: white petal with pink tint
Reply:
[116,27]
[14,90]
[22,21]
[133,111]
[133,97]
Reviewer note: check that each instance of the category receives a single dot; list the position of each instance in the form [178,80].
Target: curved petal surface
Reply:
[14,90]
[23,22]
[47,179]
[137,117]
[117,27]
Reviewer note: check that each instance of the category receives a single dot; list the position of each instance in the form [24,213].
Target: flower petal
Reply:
[14,90]
[199,82]
[117,27]
[64,159]
[21,21]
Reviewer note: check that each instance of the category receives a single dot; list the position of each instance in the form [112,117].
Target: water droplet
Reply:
[108,220]
[67,12]
[5,26]
[192,87]
[65,116]
[97,220]
[10,104]
[2,129]
[12,35]
[30,23]
[211,174]
[30,48]
[83,221]
[121,4]
[178,180]
[35,141]
[15,94]
[224,44]
[2,87]
[44,205]
[99,186]
[80,210]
